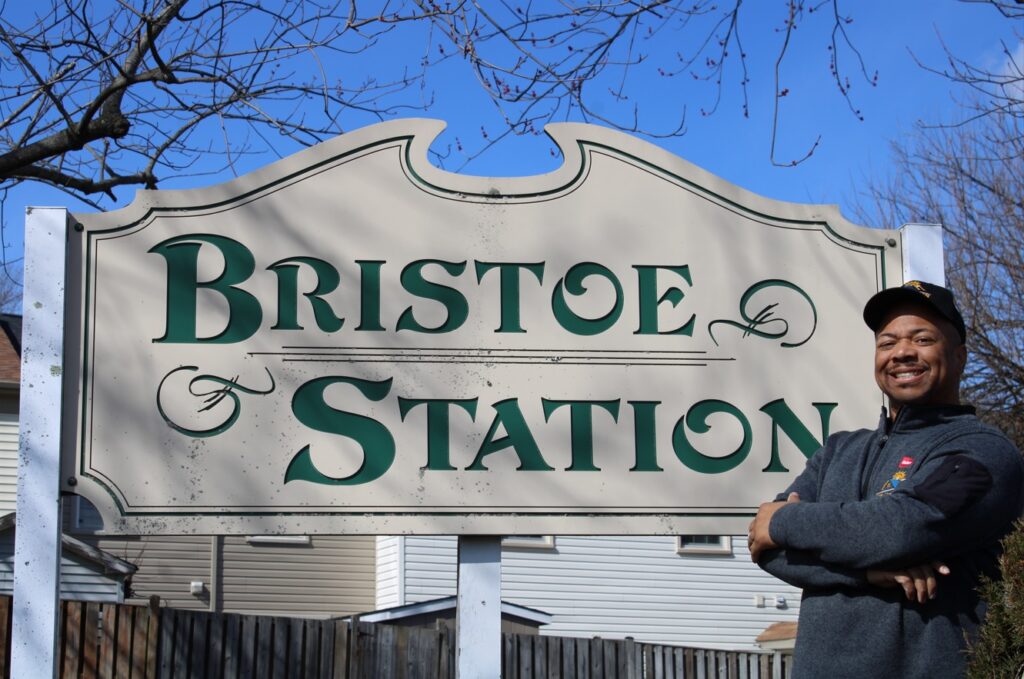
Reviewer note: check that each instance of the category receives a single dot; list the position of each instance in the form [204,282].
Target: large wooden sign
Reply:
[351,340]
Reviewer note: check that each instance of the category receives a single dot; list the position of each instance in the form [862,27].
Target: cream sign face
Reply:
[351,340]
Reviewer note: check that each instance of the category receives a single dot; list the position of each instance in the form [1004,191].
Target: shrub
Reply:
[998,651]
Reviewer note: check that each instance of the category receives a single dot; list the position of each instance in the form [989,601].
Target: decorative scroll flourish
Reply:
[226,388]
[756,324]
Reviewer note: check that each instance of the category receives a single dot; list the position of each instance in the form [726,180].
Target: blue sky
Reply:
[850,153]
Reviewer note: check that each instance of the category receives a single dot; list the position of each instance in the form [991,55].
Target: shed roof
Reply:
[447,604]
[779,636]
[110,564]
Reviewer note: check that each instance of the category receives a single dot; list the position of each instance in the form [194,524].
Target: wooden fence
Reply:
[108,641]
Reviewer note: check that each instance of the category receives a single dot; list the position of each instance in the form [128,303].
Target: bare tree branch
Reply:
[135,93]
[970,178]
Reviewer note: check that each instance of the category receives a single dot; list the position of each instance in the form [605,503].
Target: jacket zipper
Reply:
[890,429]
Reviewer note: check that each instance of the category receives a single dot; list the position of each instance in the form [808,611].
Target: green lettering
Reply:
[518,437]
[647,280]
[581,423]
[369,294]
[378,445]
[509,281]
[183,285]
[785,419]
[454,302]
[644,440]
[327,281]
[438,427]
[573,280]
[696,419]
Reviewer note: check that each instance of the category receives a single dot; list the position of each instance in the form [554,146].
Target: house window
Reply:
[529,542]
[81,517]
[704,544]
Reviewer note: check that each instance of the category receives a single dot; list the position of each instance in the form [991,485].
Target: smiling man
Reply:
[888,531]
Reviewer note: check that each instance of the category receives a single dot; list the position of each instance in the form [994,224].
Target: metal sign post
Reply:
[37,537]
[478,608]
[922,253]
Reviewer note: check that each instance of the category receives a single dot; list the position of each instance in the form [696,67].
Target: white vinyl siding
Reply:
[390,592]
[78,580]
[8,462]
[81,582]
[430,567]
[614,587]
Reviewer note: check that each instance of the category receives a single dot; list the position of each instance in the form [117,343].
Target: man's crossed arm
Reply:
[919,583]
[964,500]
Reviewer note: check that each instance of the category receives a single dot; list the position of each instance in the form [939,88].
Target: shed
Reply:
[86,573]
[515,619]
[778,637]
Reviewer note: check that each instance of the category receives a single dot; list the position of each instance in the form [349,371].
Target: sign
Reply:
[353,341]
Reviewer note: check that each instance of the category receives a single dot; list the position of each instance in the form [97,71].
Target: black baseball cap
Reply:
[934,296]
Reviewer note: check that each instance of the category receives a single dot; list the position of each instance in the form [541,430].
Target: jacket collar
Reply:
[913,417]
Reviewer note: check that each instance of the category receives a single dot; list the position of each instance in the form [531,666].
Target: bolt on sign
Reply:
[351,340]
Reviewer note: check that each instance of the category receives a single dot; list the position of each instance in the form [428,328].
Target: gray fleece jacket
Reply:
[934,484]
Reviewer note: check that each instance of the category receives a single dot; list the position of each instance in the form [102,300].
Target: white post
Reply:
[478,608]
[922,253]
[38,529]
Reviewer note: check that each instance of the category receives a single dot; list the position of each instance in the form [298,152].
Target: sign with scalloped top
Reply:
[351,340]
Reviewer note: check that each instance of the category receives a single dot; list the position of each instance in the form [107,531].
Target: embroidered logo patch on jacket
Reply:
[898,477]
[893,483]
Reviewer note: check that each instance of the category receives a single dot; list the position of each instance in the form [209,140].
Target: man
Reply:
[888,531]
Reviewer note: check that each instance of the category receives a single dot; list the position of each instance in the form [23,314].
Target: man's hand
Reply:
[758,537]
[919,583]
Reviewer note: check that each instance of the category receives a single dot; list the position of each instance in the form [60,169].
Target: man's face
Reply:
[918,358]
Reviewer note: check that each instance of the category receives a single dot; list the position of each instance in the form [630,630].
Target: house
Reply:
[10,382]
[282,575]
[694,591]
[515,619]
[300,575]
[686,590]
[86,573]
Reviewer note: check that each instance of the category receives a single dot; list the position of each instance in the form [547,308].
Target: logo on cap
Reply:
[917,285]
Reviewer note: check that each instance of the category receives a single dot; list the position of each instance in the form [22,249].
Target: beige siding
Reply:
[8,461]
[167,564]
[332,575]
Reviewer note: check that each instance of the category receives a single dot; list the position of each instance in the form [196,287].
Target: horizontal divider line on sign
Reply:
[494,356]
[463,350]
[483,360]
[414,510]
